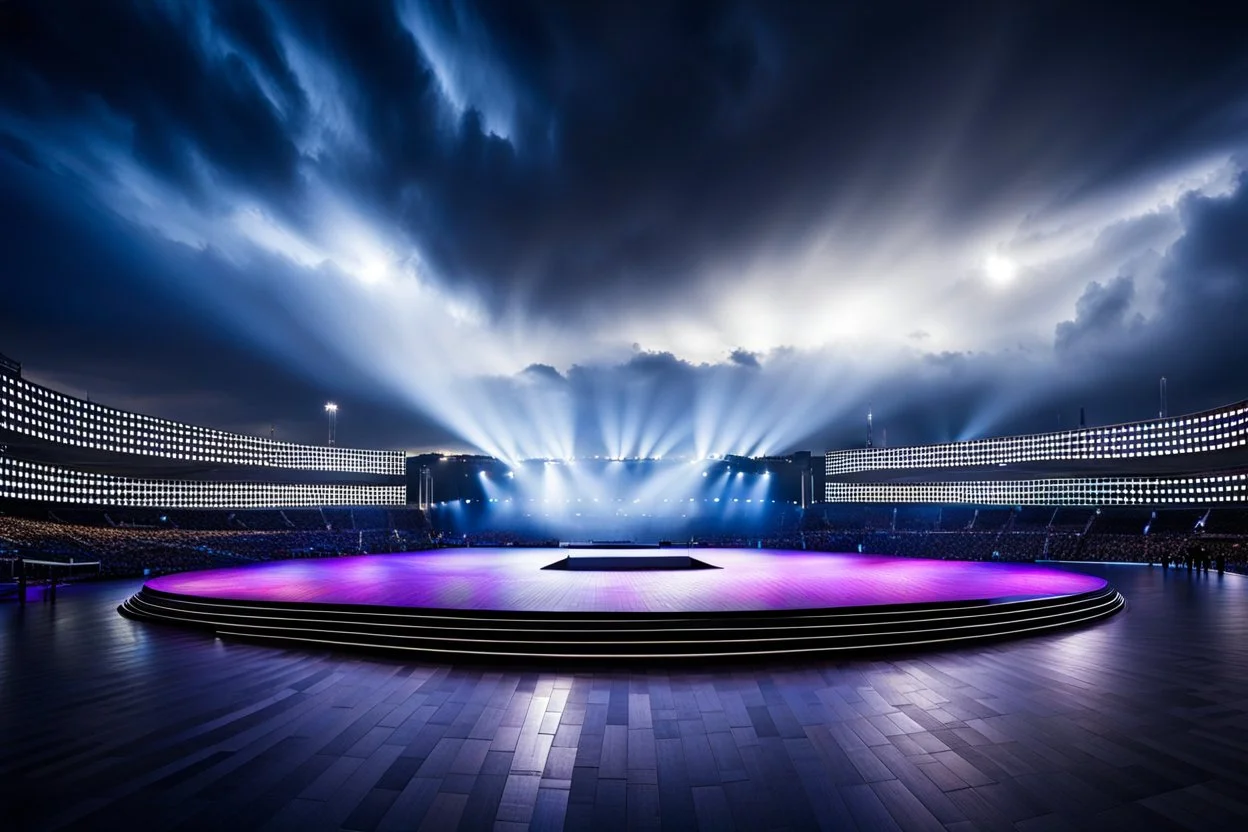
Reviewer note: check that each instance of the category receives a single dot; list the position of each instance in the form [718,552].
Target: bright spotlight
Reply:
[1000,270]
[331,414]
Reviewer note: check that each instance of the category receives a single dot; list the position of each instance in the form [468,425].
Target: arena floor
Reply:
[1139,721]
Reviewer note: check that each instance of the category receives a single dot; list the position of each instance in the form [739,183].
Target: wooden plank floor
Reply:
[1139,722]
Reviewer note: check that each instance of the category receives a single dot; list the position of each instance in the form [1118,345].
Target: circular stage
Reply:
[511,602]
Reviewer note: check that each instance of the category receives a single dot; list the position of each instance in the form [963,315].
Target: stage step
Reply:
[468,634]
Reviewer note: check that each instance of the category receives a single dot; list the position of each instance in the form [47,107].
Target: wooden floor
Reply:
[1138,722]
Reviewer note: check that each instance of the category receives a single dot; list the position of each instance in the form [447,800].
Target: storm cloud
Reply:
[695,228]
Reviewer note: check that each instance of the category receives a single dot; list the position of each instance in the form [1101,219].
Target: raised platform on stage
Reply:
[595,560]
[504,602]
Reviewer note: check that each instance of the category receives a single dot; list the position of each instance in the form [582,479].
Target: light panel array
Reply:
[44,414]
[1212,430]
[23,480]
[1205,490]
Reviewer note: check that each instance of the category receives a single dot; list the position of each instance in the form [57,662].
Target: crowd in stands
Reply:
[130,542]
[1218,538]
[497,538]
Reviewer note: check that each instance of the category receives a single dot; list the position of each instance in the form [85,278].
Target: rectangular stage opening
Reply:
[618,560]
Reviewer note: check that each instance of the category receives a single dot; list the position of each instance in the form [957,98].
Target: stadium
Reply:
[424,415]
[869,553]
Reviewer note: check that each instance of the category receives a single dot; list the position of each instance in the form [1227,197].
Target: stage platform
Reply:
[505,603]
[597,560]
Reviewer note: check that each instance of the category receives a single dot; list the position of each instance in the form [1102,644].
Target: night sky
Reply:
[539,229]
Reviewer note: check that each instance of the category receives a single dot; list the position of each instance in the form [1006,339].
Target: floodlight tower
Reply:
[1161,414]
[870,428]
[331,414]
[424,488]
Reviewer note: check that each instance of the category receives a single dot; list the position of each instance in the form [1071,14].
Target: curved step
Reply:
[615,636]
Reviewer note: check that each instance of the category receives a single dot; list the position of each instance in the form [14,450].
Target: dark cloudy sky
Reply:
[554,228]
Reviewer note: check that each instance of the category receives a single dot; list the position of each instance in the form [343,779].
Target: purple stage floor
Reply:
[512,580]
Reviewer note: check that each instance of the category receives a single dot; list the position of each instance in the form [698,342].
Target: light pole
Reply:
[424,499]
[331,413]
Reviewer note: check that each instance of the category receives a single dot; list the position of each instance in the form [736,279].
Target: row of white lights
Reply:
[1102,491]
[35,411]
[36,481]
[1212,431]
